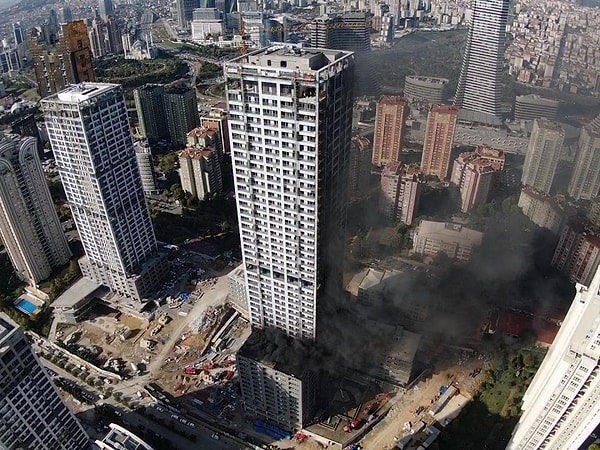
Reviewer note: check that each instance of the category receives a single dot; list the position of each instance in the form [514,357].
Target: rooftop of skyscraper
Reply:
[392,100]
[82,92]
[443,108]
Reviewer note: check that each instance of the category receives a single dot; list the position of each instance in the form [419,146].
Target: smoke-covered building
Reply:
[359,171]
[276,378]
[454,240]
[543,210]
[577,254]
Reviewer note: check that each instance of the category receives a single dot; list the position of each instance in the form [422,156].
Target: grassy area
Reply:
[133,73]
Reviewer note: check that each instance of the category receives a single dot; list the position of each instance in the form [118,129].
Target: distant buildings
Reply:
[401,187]
[543,210]
[439,139]
[89,133]
[207,23]
[200,171]
[577,254]
[349,31]
[359,171]
[68,62]
[530,107]
[184,11]
[143,156]
[585,177]
[106,8]
[392,113]
[543,153]
[277,381]
[217,119]
[105,36]
[560,408]
[456,241]
[479,90]
[29,226]
[427,89]
[166,113]
[476,173]
[32,413]
[181,109]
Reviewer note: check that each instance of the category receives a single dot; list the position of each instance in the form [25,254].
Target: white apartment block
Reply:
[585,177]
[290,132]
[32,414]
[561,407]
[29,226]
[88,128]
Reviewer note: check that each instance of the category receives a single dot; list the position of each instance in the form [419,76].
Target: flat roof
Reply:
[447,231]
[82,92]
[119,438]
[82,288]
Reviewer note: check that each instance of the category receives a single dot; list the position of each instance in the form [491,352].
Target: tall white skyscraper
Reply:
[561,407]
[585,177]
[479,89]
[29,226]
[290,128]
[32,414]
[89,132]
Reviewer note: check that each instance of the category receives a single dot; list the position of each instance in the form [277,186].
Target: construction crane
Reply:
[242,34]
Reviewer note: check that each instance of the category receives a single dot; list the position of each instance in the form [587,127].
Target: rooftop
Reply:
[446,231]
[82,92]
[550,125]
[438,108]
[82,289]
[392,100]
[432,80]
[533,98]
[119,438]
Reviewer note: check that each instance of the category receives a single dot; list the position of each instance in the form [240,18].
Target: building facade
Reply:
[290,116]
[476,174]
[426,89]
[32,413]
[531,107]
[439,139]
[217,119]
[543,153]
[390,121]
[561,407]
[69,62]
[29,225]
[200,172]
[585,177]
[143,156]
[543,210]
[577,254]
[88,128]
[479,90]
[401,187]
[149,104]
[359,171]
[181,108]
[456,241]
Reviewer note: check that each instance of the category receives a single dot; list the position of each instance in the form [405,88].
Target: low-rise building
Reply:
[236,280]
[543,210]
[119,438]
[429,89]
[577,254]
[454,240]
[73,304]
[401,187]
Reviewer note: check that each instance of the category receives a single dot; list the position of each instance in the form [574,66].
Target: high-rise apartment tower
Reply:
[439,139]
[585,177]
[290,120]
[89,132]
[543,153]
[561,407]
[392,113]
[479,90]
[29,226]
[32,414]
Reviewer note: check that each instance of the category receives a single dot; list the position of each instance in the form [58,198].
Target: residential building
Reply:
[456,241]
[201,137]
[200,171]
[118,438]
[532,106]
[593,214]
[560,407]
[585,177]
[543,210]
[277,382]
[401,187]
[290,104]
[439,139]
[359,171]
[181,109]
[18,33]
[350,31]
[29,226]
[217,119]
[543,153]
[88,128]
[149,104]
[68,62]
[32,413]
[476,173]
[479,90]
[425,89]
[392,113]
[106,8]
[143,156]
[577,254]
